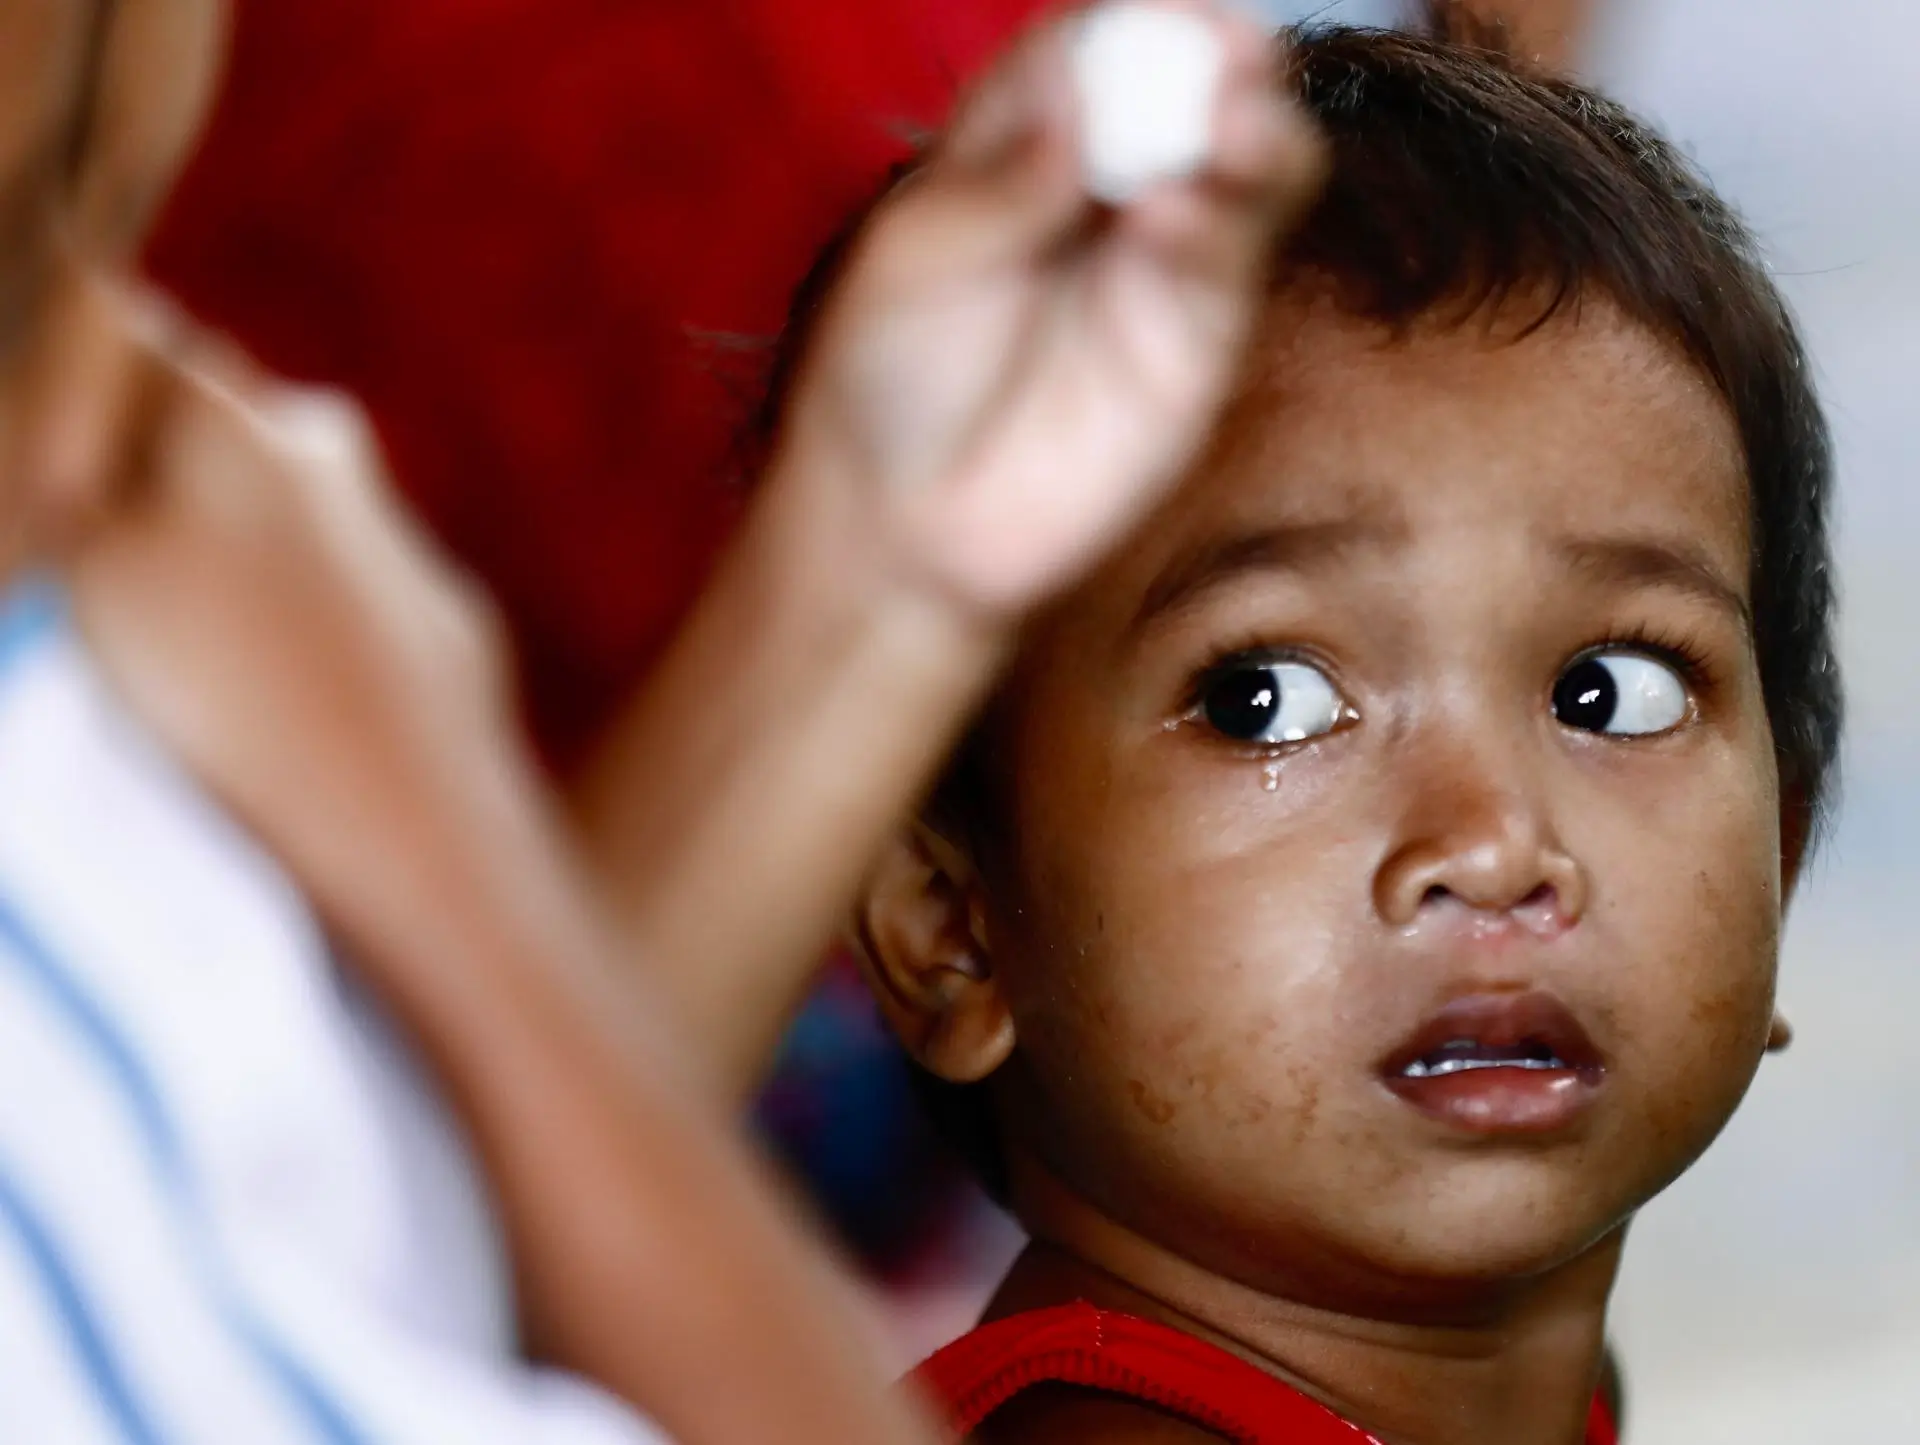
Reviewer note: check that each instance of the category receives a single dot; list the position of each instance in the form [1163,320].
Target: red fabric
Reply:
[524,231]
[1121,1354]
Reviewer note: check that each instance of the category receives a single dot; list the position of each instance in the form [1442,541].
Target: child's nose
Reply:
[1493,853]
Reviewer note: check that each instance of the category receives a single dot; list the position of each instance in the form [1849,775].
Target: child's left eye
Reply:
[1621,692]
[1270,702]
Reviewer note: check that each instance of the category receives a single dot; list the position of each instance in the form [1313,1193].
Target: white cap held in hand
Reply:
[1148,79]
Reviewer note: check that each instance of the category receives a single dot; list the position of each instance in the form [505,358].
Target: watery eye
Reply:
[1620,692]
[1271,702]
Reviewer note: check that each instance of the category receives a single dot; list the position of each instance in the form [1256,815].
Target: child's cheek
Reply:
[1690,905]
[1185,996]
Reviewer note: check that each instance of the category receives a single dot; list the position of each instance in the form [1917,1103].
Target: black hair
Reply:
[1460,180]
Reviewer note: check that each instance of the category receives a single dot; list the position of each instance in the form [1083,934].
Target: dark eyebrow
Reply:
[1661,564]
[1294,548]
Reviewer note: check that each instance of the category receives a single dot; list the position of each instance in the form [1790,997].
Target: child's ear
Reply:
[1780,1035]
[921,929]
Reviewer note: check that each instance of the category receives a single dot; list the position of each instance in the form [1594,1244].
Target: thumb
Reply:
[1003,182]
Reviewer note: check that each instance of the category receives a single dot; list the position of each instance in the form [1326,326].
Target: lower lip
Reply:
[1502,1101]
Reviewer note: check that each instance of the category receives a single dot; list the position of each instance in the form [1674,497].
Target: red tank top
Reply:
[1122,1354]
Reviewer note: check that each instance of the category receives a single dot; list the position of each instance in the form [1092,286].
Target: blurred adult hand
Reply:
[267,607]
[1011,372]
[235,558]
[260,600]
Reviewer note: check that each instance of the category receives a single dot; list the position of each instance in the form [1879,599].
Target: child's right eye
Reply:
[1270,702]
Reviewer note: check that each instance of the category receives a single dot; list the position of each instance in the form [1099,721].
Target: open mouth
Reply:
[1498,1063]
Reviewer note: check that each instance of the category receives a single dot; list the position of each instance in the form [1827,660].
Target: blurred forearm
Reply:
[650,1252]
[805,704]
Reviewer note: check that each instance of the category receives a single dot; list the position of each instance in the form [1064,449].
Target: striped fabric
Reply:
[231,1207]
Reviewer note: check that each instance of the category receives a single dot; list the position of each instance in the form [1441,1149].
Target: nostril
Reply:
[1538,908]
[1541,912]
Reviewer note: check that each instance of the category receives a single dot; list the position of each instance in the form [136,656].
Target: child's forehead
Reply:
[1316,366]
[1352,451]
[1584,421]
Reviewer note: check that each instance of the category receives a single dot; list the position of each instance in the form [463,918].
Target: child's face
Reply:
[1228,962]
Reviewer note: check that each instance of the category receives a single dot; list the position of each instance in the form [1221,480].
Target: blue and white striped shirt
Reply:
[232,1209]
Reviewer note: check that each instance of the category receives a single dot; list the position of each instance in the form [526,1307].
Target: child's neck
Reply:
[1519,1369]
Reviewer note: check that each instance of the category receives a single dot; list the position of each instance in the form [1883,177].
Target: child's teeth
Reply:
[1442,1063]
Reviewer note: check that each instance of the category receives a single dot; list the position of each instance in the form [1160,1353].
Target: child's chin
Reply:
[1490,1229]
[1492,1257]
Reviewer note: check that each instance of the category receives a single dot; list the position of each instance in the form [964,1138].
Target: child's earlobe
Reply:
[1780,1035]
[919,927]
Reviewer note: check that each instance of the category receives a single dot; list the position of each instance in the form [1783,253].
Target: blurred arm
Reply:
[268,611]
[738,802]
